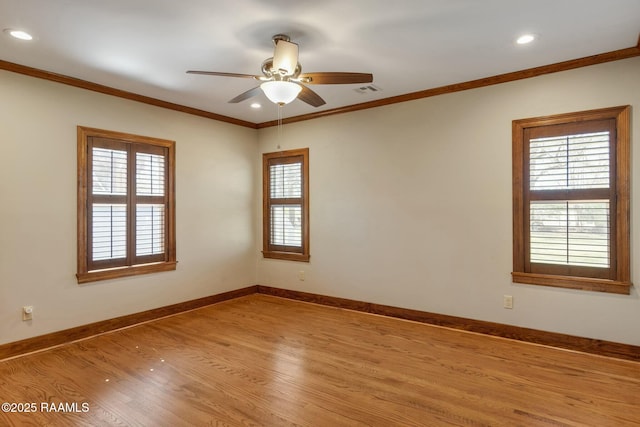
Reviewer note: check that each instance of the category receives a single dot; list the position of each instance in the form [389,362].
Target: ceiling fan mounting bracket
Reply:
[279,37]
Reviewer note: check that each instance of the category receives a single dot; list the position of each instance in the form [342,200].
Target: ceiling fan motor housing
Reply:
[272,72]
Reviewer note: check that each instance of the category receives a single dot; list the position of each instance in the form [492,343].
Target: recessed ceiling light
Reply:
[255,105]
[18,34]
[526,38]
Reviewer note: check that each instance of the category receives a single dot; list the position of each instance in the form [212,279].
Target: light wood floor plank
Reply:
[267,361]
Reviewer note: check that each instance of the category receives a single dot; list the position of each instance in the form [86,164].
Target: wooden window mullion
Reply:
[131,205]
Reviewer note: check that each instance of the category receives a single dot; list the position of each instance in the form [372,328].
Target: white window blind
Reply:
[569,162]
[286,219]
[150,175]
[109,222]
[286,180]
[109,171]
[569,232]
[150,229]
[109,231]
[286,225]
[110,207]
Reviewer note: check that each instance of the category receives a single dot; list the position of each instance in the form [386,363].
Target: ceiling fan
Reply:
[283,80]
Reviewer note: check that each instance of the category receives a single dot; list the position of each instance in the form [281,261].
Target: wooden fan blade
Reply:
[246,95]
[216,73]
[310,97]
[335,78]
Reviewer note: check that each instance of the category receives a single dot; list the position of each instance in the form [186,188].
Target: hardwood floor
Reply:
[267,361]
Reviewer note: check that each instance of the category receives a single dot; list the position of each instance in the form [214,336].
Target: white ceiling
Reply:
[145,46]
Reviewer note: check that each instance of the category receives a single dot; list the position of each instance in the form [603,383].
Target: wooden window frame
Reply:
[89,271]
[619,277]
[285,252]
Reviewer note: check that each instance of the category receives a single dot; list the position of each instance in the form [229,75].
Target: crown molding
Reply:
[571,64]
[601,58]
[95,87]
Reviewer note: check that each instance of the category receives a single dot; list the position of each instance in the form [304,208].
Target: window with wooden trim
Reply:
[126,205]
[286,205]
[571,205]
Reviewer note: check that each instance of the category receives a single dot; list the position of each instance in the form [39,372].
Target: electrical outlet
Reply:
[27,312]
[301,275]
[507,301]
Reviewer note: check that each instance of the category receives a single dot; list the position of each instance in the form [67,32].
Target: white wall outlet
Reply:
[27,312]
[507,301]
[301,275]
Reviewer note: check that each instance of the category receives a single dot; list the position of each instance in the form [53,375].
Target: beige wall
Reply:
[215,207]
[411,204]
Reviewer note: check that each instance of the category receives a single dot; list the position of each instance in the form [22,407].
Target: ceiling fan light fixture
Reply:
[281,92]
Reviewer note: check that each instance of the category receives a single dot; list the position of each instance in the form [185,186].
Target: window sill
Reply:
[135,270]
[571,282]
[289,256]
